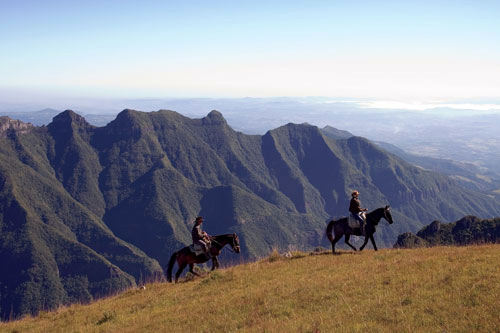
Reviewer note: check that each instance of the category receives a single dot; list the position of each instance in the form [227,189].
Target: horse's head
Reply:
[235,244]
[387,214]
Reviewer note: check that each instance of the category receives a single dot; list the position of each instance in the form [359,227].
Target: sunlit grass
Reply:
[442,289]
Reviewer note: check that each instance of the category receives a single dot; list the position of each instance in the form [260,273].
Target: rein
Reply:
[231,249]
[222,246]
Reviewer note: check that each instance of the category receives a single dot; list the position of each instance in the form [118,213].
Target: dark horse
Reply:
[340,228]
[186,257]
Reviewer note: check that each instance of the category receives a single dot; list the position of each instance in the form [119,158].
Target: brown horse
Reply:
[186,257]
[341,227]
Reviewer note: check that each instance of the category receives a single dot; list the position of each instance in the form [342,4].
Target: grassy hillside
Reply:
[441,289]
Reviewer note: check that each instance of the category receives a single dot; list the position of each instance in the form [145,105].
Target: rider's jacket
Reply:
[196,233]
[355,206]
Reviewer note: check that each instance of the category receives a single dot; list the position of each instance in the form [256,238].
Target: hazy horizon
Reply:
[93,105]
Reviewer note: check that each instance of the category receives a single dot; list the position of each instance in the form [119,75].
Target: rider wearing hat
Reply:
[357,211]
[199,236]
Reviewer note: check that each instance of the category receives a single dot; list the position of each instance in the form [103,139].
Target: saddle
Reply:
[196,249]
[353,222]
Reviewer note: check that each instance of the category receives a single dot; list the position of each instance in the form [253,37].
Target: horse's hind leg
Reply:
[179,271]
[334,241]
[347,237]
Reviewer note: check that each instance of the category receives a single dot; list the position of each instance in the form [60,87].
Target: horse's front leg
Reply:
[373,242]
[191,270]
[364,243]
[215,263]
[334,241]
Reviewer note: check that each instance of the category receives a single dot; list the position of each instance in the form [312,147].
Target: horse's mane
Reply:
[222,235]
[373,211]
[372,217]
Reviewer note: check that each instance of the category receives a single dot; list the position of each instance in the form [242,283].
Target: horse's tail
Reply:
[171,263]
[329,229]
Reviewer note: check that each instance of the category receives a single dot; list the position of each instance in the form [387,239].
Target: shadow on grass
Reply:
[274,256]
[192,277]
[337,253]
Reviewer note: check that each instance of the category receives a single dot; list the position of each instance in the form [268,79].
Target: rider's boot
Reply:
[208,254]
[362,229]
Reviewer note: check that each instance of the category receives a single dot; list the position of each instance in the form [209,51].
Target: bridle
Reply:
[233,245]
[385,215]
[235,248]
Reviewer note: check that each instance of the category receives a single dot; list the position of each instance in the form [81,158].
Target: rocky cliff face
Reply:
[8,125]
[467,230]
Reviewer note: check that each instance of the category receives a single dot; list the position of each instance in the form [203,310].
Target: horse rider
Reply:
[357,211]
[200,237]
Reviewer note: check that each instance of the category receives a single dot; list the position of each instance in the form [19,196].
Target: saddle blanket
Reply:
[352,222]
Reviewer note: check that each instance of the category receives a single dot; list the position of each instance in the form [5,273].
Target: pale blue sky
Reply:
[398,50]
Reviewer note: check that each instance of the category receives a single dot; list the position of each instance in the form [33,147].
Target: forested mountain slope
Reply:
[89,210]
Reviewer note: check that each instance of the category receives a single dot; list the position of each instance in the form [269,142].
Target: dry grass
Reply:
[442,289]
